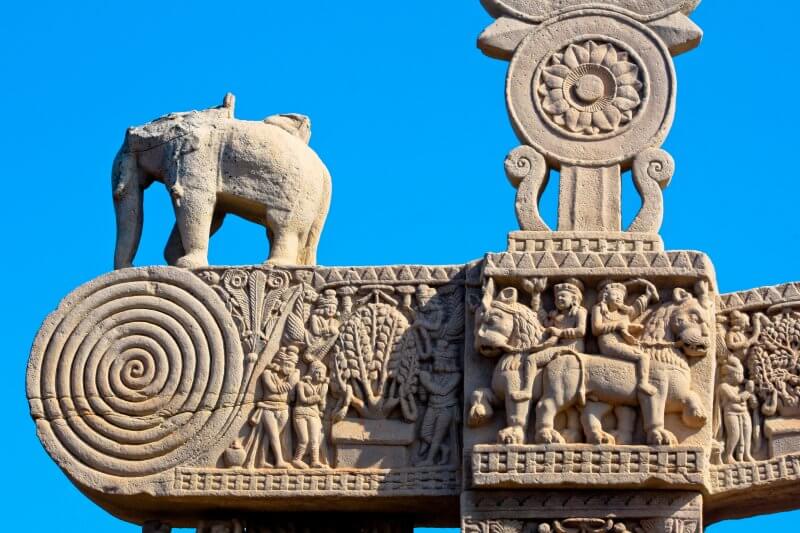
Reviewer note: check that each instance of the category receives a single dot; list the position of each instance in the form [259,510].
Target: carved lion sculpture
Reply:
[511,331]
[213,165]
[672,331]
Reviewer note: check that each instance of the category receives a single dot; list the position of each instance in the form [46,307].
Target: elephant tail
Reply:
[308,254]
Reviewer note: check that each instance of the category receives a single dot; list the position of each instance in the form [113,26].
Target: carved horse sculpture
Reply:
[672,331]
[212,165]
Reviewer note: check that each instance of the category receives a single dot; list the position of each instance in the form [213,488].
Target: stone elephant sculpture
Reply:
[213,164]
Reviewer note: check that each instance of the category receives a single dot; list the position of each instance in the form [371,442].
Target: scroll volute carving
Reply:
[652,171]
[527,171]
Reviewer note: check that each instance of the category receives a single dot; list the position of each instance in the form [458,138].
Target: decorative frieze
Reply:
[503,466]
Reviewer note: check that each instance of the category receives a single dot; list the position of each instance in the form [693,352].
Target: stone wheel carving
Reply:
[136,372]
[597,90]
[590,90]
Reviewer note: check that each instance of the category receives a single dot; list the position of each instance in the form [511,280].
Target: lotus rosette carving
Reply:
[591,88]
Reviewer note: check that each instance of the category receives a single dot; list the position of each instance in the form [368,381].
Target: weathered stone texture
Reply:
[585,380]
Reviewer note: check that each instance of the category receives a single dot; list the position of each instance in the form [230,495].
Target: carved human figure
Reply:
[430,316]
[566,325]
[323,321]
[737,339]
[323,326]
[441,417]
[311,393]
[734,404]
[612,324]
[271,416]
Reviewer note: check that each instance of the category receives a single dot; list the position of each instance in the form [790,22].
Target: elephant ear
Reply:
[297,125]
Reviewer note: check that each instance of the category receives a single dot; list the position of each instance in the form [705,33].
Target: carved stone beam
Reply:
[159,390]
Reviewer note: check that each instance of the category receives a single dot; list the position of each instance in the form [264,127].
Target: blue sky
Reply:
[408,115]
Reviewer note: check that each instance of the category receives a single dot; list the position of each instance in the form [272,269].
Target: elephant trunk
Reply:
[127,188]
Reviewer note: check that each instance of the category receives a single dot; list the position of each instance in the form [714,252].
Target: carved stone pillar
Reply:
[589,365]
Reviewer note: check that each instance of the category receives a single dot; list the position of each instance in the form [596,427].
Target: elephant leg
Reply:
[193,218]
[572,432]
[174,248]
[653,417]
[517,419]
[128,193]
[284,245]
[591,417]
[626,424]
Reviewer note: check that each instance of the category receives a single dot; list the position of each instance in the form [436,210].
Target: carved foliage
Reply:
[758,383]
[319,353]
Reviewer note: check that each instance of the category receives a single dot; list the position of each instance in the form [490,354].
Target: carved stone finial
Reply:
[591,92]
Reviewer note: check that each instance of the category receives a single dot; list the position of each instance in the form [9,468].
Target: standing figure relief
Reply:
[271,416]
[633,367]
[343,354]
[757,397]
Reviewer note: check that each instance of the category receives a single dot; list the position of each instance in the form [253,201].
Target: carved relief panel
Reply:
[607,368]
[256,381]
[756,451]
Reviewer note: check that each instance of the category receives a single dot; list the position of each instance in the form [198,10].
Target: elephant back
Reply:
[293,123]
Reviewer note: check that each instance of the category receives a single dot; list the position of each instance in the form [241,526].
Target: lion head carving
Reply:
[505,325]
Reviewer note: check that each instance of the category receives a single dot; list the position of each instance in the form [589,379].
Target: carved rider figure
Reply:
[310,404]
[272,412]
[566,325]
[612,324]
[734,404]
[441,417]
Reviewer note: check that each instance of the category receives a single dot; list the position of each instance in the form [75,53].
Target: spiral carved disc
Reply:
[135,372]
